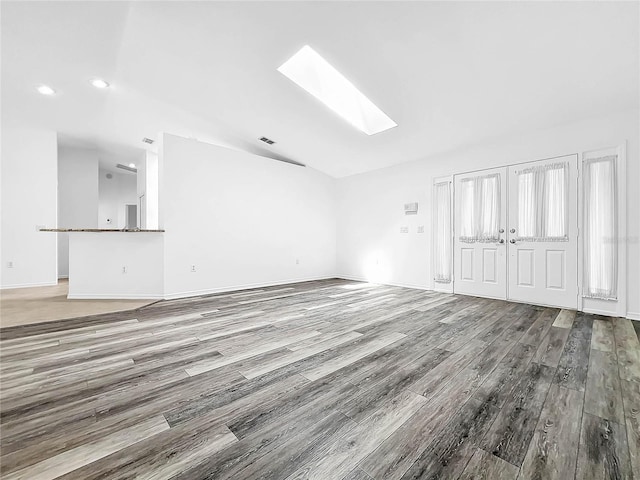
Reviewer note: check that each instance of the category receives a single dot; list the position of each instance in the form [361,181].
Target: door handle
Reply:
[513,230]
[513,240]
[501,240]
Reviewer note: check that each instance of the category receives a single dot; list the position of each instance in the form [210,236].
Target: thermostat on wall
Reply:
[411,208]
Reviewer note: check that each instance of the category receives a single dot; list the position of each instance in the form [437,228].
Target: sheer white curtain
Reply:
[542,203]
[601,230]
[480,209]
[442,214]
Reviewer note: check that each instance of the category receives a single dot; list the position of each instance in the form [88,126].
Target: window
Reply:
[601,229]
[480,209]
[442,233]
[318,77]
[542,203]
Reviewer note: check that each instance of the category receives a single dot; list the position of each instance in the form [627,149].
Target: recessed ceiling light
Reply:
[318,77]
[99,83]
[46,90]
[132,165]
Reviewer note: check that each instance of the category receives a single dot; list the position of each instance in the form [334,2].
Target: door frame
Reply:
[588,305]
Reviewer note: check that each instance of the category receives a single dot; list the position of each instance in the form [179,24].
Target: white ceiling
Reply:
[449,73]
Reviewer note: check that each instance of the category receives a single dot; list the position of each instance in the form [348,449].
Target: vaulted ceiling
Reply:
[449,74]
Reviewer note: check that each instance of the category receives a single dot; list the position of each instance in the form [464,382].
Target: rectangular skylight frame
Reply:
[318,77]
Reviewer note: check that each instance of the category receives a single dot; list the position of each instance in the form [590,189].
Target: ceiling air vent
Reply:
[147,140]
[267,140]
[127,168]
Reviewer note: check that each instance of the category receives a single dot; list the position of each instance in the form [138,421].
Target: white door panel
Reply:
[543,268]
[538,216]
[480,265]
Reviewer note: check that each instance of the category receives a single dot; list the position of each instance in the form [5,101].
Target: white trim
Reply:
[114,296]
[232,288]
[29,285]
[580,250]
[633,315]
[521,162]
[391,284]
[597,311]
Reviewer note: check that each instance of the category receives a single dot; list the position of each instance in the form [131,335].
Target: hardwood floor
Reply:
[328,380]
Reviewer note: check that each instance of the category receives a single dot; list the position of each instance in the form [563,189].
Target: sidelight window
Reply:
[601,229]
[442,235]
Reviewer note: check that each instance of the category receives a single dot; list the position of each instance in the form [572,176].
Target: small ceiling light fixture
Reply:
[132,165]
[147,140]
[266,140]
[46,90]
[99,83]
[319,78]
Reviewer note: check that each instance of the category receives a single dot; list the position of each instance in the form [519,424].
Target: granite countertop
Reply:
[97,230]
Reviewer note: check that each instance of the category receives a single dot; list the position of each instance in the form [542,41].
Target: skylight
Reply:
[313,73]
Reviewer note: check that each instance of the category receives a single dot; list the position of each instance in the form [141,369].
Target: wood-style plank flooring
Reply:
[327,380]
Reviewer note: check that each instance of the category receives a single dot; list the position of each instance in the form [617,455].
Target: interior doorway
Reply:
[130,217]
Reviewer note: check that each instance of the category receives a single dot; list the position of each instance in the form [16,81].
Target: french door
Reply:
[480,256]
[543,232]
[515,233]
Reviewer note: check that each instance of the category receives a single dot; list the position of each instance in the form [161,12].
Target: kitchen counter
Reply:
[98,230]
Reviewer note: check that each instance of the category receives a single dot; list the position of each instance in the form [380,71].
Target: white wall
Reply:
[114,193]
[77,197]
[141,190]
[29,200]
[148,184]
[370,206]
[241,220]
[116,265]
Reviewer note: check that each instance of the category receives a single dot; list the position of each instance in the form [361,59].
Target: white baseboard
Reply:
[404,285]
[63,277]
[596,311]
[633,315]
[114,296]
[246,286]
[28,285]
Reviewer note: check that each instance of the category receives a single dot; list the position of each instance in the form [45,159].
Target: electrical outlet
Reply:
[420,228]
[297,261]
[9,264]
[124,269]
[404,229]
[193,268]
